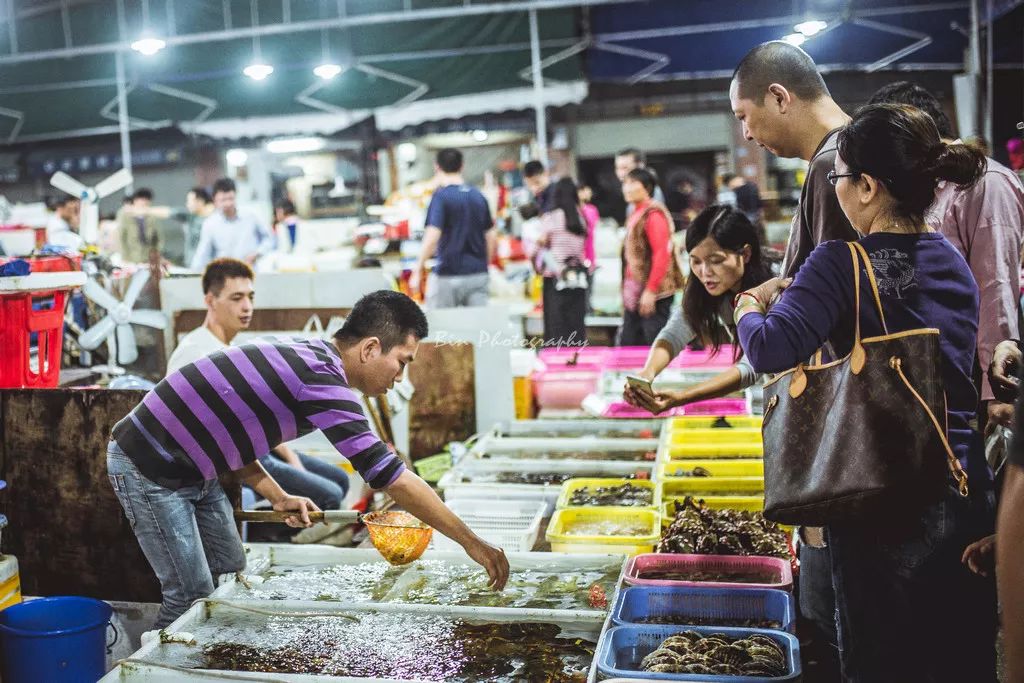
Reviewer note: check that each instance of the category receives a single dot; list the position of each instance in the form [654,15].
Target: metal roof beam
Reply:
[469,9]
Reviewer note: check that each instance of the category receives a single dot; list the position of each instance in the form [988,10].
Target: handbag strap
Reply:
[954,464]
[872,280]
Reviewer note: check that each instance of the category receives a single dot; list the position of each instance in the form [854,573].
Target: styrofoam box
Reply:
[459,482]
[144,664]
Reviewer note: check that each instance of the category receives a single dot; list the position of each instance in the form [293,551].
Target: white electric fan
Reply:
[116,326]
[88,227]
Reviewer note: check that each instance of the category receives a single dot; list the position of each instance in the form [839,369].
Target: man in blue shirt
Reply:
[460,231]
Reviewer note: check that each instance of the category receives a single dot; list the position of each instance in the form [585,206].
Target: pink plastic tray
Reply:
[621,409]
[780,570]
[564,388]
[587,358]
[717,406]
[712,407]
[704,359]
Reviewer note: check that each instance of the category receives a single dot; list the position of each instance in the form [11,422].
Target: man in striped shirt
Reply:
[219,414]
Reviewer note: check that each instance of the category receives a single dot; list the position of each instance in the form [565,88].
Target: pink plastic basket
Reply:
[717,406]
[780,570]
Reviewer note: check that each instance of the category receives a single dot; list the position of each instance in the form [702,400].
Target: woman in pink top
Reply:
[561,260]
[591,217]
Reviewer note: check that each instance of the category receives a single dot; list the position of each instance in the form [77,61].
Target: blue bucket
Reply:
[58,640]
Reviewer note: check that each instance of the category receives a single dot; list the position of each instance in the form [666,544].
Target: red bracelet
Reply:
[736,299]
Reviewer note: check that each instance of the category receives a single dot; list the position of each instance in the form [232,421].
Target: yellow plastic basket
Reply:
[573,485]
[748,503]
[565,519]
[711,436]
[698,451]
[724,424]
[699,487]
[668,469]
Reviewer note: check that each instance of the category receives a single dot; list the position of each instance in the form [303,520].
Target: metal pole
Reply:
[122,118]
[989,76]
[538,90]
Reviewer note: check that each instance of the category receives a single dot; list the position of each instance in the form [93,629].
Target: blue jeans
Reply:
[907,608]
[188,535]
[323,483]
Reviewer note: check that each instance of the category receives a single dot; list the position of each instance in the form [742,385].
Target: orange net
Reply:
[397,535]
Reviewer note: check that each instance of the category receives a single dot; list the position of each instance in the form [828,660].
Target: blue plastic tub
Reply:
[638,602]
[622,648]
[57,640]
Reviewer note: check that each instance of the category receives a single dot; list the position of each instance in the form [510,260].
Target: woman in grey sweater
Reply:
[725,259]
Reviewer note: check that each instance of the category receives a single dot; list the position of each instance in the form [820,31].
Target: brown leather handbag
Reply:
[858,438]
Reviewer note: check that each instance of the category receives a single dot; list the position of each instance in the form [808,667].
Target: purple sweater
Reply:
[923,281]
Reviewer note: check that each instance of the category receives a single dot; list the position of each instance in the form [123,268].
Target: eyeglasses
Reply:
[834,177]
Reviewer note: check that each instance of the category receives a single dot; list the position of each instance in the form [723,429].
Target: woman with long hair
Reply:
[725,259]
[907,609]
[561,260]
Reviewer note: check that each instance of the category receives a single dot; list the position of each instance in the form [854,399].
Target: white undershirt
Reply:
[196,344]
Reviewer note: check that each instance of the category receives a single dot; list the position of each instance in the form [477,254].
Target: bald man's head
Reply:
[778,62]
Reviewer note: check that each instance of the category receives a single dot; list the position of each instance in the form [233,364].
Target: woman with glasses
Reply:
[906,607]
[725,258]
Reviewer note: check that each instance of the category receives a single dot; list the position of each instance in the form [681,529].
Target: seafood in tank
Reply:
[699,530]
[716,654]
[625,495]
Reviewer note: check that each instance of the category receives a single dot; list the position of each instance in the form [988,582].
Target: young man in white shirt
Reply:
[228,233]
[62,228]
[229,294]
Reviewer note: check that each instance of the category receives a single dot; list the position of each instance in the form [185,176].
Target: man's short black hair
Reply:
[779,62]
[449,160]
[63,200]
[201,194]
[388,315]
[532,169]
[728,178]
[286,205]
[223,185]
[143,193]
[638,156]
[905,92]
[219,270]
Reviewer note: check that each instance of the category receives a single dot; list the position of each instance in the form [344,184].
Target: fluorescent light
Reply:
[258,72]
[148,45]
[236,157]
[407,152]
[327,71]
[480,135]
[293,145]
[795,38]
[811,27]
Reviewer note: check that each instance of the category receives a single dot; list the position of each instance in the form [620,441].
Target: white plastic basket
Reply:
[512,525]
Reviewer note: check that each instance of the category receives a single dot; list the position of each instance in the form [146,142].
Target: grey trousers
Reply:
[454,291]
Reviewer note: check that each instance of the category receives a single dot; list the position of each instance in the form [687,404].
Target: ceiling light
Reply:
[236,157]
[257,71]
[293,145]
[148,45]
[811,27]
[407,152]
[795,38]
[327,71]
[480,135]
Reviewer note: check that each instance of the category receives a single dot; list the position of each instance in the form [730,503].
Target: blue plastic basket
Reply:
[637,602]
[622,648]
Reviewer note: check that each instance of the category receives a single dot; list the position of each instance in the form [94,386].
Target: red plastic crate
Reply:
[51,264]
[17,323]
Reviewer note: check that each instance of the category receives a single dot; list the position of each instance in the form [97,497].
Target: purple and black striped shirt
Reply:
[227,409]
